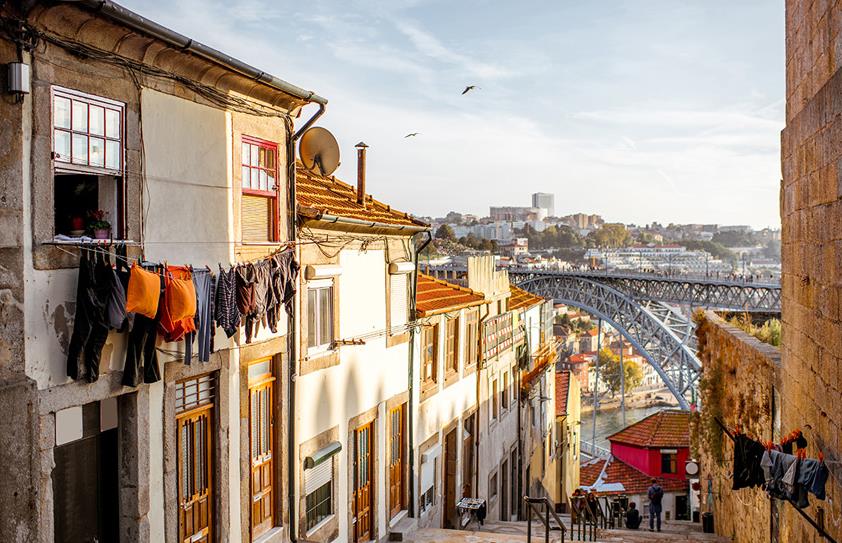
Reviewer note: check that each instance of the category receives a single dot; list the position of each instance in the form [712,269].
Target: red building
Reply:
[658,445]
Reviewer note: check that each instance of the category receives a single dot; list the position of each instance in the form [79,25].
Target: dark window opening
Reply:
[668,463]
[79,199]
[86,484]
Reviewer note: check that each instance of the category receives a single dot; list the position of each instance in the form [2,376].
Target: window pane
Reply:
[270,159]
[272,182]
[254,151]
[80,116]
[326,306]
[262,157]
[264,184]
[312,296]
[246,183]
[112,123]
[97,152]
[80,149]
[97,120]
[61,112]
[112,155]
[62,145]
[244,153]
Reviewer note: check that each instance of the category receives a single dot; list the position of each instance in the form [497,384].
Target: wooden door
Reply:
[194,475]
[504,492]
[363,483]
[468,457]
[261,433]
[450,479]
[396,463]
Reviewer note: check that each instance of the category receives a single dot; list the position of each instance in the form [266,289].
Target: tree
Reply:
[609,368]
[445,232]
[611,235]
[453,217]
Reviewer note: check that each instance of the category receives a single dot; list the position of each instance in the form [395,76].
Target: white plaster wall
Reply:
[365,378]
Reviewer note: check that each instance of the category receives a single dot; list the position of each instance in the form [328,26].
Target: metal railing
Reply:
[533,505]
[595,451]
[583,520]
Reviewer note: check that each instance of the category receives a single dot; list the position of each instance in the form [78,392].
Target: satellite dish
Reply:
[319,151]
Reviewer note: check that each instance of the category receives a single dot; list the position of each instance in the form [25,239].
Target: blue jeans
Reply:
[655,513]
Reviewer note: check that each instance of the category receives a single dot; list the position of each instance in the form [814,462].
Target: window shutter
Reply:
[317,477]
[398,299]
[428,474]
[256,218]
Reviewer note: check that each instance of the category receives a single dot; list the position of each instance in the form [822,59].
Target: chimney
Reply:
[361,147]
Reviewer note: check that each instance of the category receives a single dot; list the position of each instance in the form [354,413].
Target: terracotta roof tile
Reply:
[522,299]
[562,390]
[667,428]
[326,194]
[633,480]
[436,296]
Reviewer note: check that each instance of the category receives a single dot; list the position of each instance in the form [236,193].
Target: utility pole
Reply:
[596,382]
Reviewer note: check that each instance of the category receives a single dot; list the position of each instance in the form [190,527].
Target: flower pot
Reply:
[102,233]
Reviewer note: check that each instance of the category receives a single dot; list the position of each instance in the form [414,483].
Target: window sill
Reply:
[274,535]
[397,339]
[319,361]
[90,241]
[450,377]
[320,525]
[428,389]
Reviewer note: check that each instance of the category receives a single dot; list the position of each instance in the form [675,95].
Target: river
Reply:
[611,421]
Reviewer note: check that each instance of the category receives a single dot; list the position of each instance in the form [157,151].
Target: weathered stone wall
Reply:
[811,215]
[737,386]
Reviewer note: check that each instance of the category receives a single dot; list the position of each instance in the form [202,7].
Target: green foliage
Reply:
[609,367]
[445,232]
[611,235]
[768,332]
[734,239]
[712,398]
[479,244]
[554,237]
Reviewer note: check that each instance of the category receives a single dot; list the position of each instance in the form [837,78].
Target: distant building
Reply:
[583,221]
[546,201]
[515,247]
[514,213]
[568,398]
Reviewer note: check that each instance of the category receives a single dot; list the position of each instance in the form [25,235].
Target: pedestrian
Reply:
[656,494]
[633,517]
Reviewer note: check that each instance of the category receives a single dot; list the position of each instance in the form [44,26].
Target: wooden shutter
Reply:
[256,218]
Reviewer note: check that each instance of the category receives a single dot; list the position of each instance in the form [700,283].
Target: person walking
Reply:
[656,494]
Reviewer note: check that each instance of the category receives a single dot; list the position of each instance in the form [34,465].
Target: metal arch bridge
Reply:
[642,308]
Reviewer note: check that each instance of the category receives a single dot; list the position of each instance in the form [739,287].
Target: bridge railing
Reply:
[594,451]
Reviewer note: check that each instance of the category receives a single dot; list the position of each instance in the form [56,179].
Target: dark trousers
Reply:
[141,355]
[654,517]
[90,330]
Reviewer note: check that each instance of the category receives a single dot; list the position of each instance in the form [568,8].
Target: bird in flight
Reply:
[412,135]
[469,88]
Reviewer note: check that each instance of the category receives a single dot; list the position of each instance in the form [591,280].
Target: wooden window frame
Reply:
[429,355]
[272,194]
[324,347]
[451,342]
[471,342]
[495,400]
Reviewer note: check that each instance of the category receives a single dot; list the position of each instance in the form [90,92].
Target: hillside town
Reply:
[207,335]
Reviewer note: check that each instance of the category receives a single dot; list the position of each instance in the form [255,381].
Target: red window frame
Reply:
[271,173]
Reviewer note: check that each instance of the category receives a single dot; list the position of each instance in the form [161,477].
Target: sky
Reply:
[641,111]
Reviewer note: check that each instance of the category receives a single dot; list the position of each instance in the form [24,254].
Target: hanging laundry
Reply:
[203,320]
[144,292]
[747,456]
[179,303]
[90,327]
[284,274]
[226,310]
[141,354]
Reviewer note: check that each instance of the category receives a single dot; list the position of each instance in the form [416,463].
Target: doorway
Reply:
[261,440]
[396,462]
[505,515]
[450,479]
[363,490]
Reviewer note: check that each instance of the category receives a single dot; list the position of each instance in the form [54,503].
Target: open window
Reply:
[259,185]
[88,160]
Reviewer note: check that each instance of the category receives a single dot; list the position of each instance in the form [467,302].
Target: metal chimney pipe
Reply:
[361,147]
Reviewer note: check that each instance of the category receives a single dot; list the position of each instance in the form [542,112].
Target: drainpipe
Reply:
[292,331]
[411,410]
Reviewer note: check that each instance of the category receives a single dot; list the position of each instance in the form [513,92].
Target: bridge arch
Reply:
[670,355]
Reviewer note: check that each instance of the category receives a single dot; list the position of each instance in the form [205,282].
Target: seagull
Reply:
[469,88]
[412,135]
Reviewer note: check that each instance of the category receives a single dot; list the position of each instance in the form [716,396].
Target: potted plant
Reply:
[98,224]
[77,225]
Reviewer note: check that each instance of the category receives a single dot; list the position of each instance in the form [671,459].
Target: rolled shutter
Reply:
[256,218]
[317,477]
[398,299]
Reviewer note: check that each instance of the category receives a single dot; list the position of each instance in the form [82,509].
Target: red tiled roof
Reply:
[317,194]
[522,299]
[667,428]
[436,296]
[578,359]
[562,390]
[633,480]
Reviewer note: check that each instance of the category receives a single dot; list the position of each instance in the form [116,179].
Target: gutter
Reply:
[410,418]
[183,43]
[335,219]
[292,331]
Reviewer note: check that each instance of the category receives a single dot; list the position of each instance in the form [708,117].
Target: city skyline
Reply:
[694,135]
